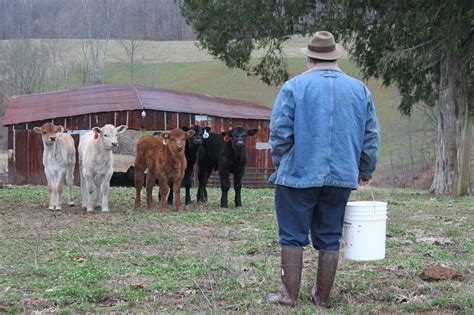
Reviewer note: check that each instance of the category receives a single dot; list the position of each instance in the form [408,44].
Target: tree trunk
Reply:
[452,130]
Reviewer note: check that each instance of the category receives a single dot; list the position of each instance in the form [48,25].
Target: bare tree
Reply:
[99,18]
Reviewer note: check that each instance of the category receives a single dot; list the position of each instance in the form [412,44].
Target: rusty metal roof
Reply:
[121,97]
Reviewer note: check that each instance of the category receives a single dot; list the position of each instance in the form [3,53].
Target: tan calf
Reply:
[59,159]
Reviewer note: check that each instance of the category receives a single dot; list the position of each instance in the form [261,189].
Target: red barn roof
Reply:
[121,97]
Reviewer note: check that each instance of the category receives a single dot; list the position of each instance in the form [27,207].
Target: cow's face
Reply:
[108,135]
[238,136]
[49,132]
[176,139]
[200,134]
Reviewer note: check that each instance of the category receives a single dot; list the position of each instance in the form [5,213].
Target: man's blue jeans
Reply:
[319,210]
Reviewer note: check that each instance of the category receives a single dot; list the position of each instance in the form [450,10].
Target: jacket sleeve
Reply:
[281,124]
[370,147]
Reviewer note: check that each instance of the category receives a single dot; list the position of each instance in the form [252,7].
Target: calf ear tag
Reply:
[165,141]
[205,135]
[226,138]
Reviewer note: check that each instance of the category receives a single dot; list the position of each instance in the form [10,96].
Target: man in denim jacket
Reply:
[324,139]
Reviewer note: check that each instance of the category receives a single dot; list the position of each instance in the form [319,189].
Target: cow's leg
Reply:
[187,185]
[176,188]
[139,174]
[170,194]
[98,180]
[90,188]
[202,176]
[164,192]
[59,189]
[70,183]
[104,190]
[83,188]
[150,182]
[50,191]
[225,186]
[237,187]
[208,175]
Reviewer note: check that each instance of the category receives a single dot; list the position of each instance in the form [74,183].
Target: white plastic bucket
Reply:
[365,224]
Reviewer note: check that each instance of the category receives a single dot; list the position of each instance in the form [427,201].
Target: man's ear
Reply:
[38,129]
[251,132]
[190,133]
[185,128]
[121,129]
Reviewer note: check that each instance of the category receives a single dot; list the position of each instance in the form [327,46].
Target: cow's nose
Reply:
[198,140]
[240,143]
[52,138]
[114,144]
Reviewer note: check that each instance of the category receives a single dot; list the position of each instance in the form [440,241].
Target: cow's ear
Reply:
[121,129]
[251,132]
[38,129]
[166,137]
[226,135]
[185,128]
[96,130]
[190,133]
[60,129]
[208,129]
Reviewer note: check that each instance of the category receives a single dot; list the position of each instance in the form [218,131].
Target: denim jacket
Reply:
[323,130]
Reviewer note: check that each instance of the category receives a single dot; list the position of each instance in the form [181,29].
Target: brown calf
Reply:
[163,156]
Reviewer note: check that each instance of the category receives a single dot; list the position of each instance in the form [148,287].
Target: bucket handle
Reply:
[373,197]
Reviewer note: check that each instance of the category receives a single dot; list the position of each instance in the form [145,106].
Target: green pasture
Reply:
[211,260]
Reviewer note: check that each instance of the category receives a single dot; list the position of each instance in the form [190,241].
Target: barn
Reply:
[141,108]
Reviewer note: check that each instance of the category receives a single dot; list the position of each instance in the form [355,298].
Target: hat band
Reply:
[322,49]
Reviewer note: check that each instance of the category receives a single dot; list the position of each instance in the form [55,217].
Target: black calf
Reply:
[123,179]
[208,160]
[232,159]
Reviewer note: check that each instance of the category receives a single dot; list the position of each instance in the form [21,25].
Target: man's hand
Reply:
[363,181]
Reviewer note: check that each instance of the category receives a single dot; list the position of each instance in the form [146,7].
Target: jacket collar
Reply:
[332,65]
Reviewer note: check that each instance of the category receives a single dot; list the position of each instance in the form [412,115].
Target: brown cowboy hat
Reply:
[322,46]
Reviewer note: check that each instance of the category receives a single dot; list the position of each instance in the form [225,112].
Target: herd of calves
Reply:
[167,157]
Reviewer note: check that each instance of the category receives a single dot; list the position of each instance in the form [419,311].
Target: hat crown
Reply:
[322,39]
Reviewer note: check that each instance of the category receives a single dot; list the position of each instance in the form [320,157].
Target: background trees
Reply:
[424,48]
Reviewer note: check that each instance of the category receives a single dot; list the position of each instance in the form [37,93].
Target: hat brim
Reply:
[336,54]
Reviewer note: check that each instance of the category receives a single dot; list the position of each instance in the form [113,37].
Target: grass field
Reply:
[213,260]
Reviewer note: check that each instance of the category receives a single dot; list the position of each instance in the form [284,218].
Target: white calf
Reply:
[96,162]
[59,159]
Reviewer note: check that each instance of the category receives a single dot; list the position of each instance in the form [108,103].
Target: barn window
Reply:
[262,146]
[199,118]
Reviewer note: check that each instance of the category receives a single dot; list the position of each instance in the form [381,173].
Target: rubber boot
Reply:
[291,266]
[327,265]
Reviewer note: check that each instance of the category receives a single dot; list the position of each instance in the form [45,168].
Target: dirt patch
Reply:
[439,272]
